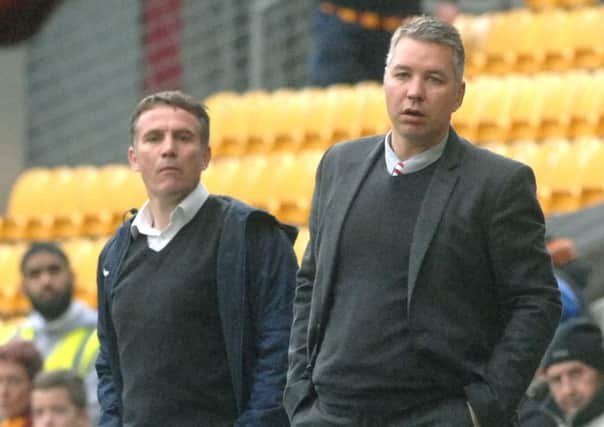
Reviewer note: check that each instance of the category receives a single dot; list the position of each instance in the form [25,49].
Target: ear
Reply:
[207,156]
[461,91]
[132,159]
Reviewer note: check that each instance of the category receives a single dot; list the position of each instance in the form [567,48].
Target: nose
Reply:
[44,420]
[566,386]
[415,88]
[168,146]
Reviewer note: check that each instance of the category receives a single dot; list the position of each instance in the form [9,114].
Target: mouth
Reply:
[412,112]
[169,169]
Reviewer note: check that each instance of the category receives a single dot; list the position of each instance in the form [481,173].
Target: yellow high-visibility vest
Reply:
[76,350]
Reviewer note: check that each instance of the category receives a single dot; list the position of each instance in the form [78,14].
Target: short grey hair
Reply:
[431,29]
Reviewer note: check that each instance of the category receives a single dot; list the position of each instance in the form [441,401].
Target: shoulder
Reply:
[354,148]
[483,163]
[241,218]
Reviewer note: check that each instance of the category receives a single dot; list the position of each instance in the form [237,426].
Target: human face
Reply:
[573,384]
[168,152]
[422,92]
[48,283]
[15,386]
[53,408]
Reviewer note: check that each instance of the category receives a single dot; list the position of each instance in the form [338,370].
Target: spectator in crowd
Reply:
[350,37]
[574,372]
[195,292]
[436,308]
[20,361]
[64,330]
[59,400]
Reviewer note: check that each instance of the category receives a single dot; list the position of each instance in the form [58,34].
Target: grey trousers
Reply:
[450,412]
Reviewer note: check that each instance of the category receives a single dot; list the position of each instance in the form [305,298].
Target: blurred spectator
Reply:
[20,361]
[63,330]
[573,369]
[572,303]
[59,400]
[351,37]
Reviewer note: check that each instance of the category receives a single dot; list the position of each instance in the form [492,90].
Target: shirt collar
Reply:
[414,163]
[184,211]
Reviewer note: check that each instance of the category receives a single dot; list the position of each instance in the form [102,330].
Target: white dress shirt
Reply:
[179,217]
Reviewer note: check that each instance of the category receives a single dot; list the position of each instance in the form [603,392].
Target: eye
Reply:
[185,136]
[152,137]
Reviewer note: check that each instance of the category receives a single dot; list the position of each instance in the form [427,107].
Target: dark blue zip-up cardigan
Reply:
[256,315]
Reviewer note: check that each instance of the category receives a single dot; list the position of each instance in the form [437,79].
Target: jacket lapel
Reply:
[348,183]
[441,186]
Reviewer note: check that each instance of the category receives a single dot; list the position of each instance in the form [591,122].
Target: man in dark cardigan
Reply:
[195,292]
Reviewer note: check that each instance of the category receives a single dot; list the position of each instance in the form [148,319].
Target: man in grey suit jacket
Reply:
[425,296]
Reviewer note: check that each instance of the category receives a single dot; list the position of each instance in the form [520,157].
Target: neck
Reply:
[406,148]
[160,211]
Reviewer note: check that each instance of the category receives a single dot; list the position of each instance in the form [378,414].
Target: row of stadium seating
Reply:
[61,203]
[569,174]
[546,4]
[526,41]
[496,108]
[280,182]
[547,105]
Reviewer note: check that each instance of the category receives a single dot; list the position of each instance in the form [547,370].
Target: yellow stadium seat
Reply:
[28,188]
[466,119]
[221,176]
[587,24]
[531,153]
[577,3]
[265,194]
[248,186]
[473,30]
[559,167]
[296,187]
[83,254]
[495,55]
[553,50]
[278,123]
[587,113]
[521,115]
[322,124]
[493,109]
[542,4]
[12,301]
[564,179]
[375,120]
[556,96]
[592,172]
[124,190]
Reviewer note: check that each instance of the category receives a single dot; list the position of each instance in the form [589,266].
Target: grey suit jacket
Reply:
[482,297]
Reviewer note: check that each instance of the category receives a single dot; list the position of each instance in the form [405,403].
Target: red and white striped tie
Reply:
[398,169]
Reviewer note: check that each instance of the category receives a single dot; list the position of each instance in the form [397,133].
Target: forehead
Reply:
[42,259]
[420,54]
[8,367]
[54,395]
[166,117]
[563,368]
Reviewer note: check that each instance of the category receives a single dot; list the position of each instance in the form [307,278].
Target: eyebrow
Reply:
[401,67]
